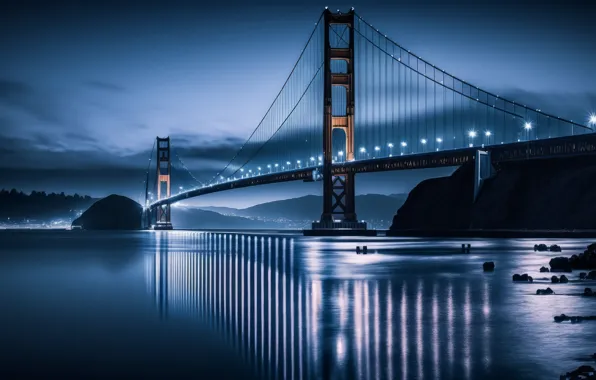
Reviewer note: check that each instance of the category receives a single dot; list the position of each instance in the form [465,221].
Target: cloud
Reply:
[105,86]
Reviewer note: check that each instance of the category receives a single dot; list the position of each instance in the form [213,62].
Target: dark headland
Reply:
[113,212]
[535,198]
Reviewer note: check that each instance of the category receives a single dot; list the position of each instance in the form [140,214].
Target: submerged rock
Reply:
[582,275]
[554,279]
[582,372]
[544,291]
[488,266]
[113,212]
[544,269]
[554,248]
[540,247]
[560,264]
[563,279]
[591,275]
[522,278]
[589,292]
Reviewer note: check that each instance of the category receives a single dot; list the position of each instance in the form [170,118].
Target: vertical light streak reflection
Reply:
[377,323]
[435,312]
[368,368]
[467,323]
[270,324]
[404,331]
[358,334]
[419,341]
[262,302]
[300,329]
[486,309]
[277,307]
[292,350]
[242,294]
[450,337]
[315,299]
[285,320]
[255,309]
[389,331]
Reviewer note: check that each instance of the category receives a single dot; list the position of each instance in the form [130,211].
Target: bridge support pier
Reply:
[339,198]
[164,169]
[483,170]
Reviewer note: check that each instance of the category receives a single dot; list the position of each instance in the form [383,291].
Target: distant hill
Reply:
[194,218]
[370,207]
[18,207]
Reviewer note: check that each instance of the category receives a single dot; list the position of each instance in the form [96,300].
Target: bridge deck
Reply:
[547,148]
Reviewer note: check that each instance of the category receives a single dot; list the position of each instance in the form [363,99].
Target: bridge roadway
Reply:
[546,148]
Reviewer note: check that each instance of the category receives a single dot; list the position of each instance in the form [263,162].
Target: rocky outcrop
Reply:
[488,266]
[549,194]
[113,212]
[544,291]
[522,278]
[585,260]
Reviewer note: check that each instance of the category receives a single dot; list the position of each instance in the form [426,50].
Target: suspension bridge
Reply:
[357,102]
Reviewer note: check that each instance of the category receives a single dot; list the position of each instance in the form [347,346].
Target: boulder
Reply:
[114,212]
[563,279]
[554,279]
[554,248]
[544,269]
[560,264]
[591,275]
[540,247]
[588,292]
[522,278]
[488,266]
[582,372]
[544,291]
[582,275]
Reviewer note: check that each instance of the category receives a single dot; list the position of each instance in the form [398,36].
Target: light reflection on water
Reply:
[290,307]
[334,311]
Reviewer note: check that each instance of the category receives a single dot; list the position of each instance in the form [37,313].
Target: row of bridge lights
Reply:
[312,162]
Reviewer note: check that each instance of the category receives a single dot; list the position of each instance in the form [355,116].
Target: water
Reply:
[192,304]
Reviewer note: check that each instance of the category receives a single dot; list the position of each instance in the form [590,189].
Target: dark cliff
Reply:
[113,212]
[546,194]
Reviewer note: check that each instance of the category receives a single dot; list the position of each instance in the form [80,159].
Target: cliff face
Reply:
[538,194]
[114,212]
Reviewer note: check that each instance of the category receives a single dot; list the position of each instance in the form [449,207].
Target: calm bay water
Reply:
[215,305]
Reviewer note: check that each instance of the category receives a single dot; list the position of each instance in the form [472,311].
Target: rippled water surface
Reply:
[215,305]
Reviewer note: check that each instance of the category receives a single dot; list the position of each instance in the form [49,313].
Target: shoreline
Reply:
[493,233]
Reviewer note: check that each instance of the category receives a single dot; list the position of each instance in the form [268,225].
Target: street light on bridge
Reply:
[528,128]
[472,134]
[592,119]
[269,167]
[276,165]
[487,134]
[390,146]
[298,164]
[312,160]
[423,142]
[403,147]
[362,151]
[341,155]
[439,141]
[377,150]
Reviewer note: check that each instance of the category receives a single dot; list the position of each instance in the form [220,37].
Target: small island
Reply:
[114,212]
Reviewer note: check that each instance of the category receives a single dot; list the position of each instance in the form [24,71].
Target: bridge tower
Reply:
[339,207]
[164,169]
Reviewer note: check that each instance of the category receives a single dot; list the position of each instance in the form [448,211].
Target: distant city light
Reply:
[312,158]
[320,158]
[528,126]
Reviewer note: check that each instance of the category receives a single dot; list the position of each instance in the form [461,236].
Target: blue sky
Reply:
[86,86]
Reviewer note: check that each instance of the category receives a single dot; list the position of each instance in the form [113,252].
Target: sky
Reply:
[85,87]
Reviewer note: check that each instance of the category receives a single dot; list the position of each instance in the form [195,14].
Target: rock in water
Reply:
[488,266]
[113,212]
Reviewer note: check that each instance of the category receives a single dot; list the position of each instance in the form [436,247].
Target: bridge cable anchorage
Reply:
[187,170]
[475,99]
[272,104]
